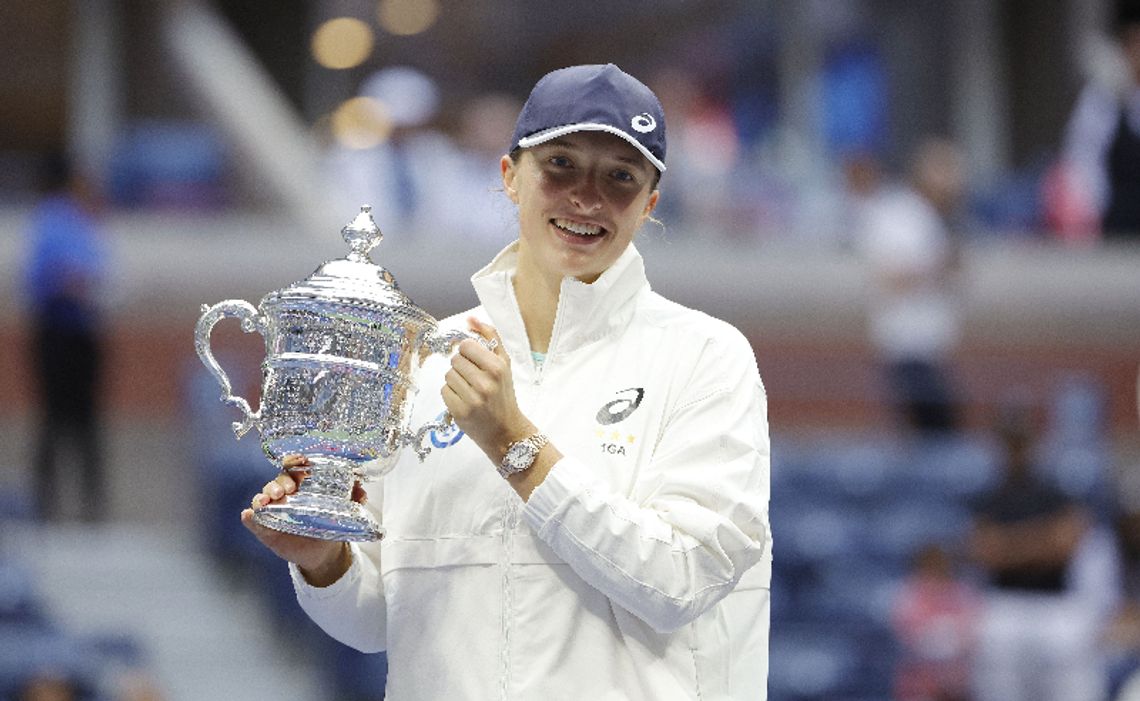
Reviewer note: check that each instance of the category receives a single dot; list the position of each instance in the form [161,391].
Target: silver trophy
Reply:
[342,349]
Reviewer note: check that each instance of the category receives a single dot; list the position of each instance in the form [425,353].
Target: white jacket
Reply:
[640,567]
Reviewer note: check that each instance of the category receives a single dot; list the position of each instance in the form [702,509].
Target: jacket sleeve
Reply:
[696,518]
[352,609]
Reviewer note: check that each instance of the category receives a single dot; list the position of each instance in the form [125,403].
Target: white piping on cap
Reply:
[555,132]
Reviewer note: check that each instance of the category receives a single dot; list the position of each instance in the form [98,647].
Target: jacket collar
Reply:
[586,312]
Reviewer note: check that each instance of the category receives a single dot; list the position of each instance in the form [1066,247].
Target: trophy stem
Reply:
[322,507]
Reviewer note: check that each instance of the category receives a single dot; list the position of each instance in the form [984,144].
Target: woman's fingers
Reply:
[278,488]
[309,553]
[287,483]
[482,356]
[481,380]
[295,468]
[292,461]
[490,333]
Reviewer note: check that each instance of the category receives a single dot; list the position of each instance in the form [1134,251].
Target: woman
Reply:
[599,527]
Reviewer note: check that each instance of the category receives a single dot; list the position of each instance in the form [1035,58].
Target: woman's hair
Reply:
[516,153]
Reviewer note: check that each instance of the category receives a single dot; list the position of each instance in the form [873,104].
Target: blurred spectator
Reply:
[371,162]
[137,685]
[168,163]
[469,198]
[704,153]
[1038,633]
[1100,166]
[1123,636]
[934,618]
[46,686]
[862,187]
[66,276]
[1123,642]
[906,241]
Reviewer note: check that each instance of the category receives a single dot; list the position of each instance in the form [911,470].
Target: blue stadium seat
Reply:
[957,467]
[822,662]
[19,599]
[359,676]
[1083,471]
[852,590]
[849,468]
[17,503]
[901,526]
[27,650]
[810,661]
[814,533]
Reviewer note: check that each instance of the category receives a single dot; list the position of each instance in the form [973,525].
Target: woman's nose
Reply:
[585,194]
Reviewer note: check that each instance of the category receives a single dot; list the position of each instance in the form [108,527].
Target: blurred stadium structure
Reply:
[231,153]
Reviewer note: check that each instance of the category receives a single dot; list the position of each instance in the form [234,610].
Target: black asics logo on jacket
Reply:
[620,409]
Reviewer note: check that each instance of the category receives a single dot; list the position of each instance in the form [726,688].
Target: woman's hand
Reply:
[479,392]
[322,562]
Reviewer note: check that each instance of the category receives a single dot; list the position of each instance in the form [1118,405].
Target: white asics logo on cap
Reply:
[644,123]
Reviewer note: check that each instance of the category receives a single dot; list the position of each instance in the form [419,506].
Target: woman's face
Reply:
[581,198]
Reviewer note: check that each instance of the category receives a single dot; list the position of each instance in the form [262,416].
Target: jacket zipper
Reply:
[555,332]
[509,518]
[537,381]
[510,522]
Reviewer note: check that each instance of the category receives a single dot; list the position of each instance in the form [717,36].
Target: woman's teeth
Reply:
[577,228]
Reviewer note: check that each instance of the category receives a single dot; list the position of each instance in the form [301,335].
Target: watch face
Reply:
[519,456]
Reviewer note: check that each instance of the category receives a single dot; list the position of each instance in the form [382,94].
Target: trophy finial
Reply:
[362,234]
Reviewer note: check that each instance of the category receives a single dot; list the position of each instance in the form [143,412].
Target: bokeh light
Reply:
[361,123]
[407,17]
[344,42]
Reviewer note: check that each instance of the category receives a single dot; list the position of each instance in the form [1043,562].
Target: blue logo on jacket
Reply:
[447,437]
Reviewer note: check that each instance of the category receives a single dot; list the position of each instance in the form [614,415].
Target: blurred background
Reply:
[921,213]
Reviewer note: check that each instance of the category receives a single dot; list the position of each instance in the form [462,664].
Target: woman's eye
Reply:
[560,161]
[624,176]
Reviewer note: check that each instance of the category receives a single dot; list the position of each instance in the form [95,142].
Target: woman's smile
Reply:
[578,232]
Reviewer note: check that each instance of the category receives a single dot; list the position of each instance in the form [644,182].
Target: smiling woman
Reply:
[581,199]
[622,550]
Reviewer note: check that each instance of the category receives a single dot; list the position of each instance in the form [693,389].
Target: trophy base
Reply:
[322,517]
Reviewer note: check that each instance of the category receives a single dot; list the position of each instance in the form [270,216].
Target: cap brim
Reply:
[555,132]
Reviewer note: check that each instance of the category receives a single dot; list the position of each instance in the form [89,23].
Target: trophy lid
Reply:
[354,279]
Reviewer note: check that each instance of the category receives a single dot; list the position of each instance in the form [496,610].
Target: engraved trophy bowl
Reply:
[342,350]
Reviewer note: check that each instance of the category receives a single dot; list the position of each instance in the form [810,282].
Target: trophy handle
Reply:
[442,343]
[250,321]
[416,440]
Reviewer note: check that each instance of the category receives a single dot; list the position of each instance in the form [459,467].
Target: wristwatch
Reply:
[521,454]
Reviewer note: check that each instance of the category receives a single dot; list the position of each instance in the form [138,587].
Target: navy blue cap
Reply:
[593,98]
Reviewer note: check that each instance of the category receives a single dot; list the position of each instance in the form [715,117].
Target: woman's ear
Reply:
[651,204]
[507,168]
